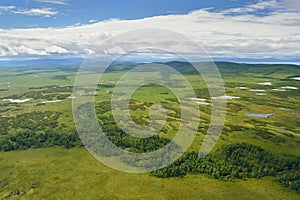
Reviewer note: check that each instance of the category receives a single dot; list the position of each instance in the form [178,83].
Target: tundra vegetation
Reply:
[257,157]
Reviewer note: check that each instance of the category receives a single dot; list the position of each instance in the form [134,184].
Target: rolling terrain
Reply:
[257,155]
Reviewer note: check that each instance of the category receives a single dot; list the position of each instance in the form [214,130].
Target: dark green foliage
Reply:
[237,128]
[238,161]
[30,139]
[125,141]
[3,125]
[290,180]
[38,129]
[4,89]
[60,77]
[235,107]
[103,107]
[265,134]
[43,87]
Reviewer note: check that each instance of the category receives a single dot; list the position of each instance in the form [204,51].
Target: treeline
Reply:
[238,161]
[30,139]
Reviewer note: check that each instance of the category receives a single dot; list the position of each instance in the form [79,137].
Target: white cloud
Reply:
[265,5]
[114,50]
[245,35]
[7,8]
[47,12]
[26,50]
[93,21]
[262,5]
[55,49]
[58,2]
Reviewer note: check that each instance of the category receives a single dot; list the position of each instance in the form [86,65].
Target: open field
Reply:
[73,174]
[36,113]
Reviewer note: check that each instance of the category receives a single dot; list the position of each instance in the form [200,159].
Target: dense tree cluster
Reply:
[290,180]
[125,141]
[33,130]
[238,161]
[30,139]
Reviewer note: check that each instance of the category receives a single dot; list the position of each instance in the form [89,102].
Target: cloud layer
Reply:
[57,2]
[44,12]
[233,33]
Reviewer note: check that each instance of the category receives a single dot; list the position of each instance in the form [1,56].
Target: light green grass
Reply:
[75,174]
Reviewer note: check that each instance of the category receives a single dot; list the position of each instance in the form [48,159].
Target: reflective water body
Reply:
[260,115]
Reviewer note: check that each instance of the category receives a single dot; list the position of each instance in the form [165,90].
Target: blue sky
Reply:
[69,12]
[242,30]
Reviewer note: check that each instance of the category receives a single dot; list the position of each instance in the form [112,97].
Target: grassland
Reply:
[73,174]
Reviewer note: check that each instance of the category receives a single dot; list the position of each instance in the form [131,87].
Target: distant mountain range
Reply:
[78,61]
[41,62]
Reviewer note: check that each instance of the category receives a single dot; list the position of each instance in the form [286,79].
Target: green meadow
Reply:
[74,174]
[256,157]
